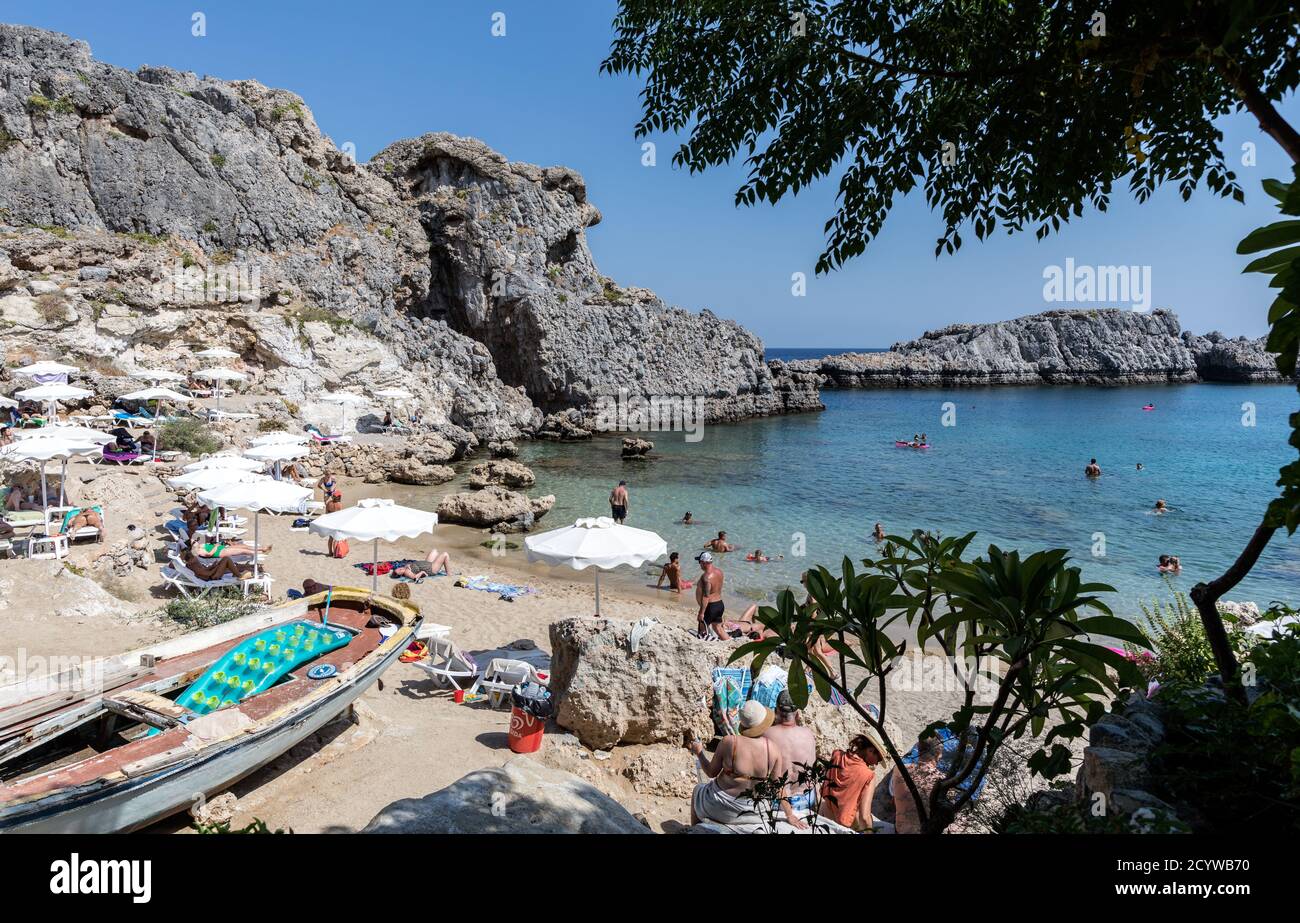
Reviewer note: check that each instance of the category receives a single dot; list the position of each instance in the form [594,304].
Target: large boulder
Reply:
[411,470]
[500,472]
[608,694]
[491,507]
[523,796]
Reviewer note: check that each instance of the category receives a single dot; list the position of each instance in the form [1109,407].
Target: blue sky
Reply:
[376,72]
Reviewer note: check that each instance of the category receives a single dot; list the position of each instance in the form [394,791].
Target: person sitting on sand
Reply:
[433,562]
[74,520]
[878,533]
[799,746]
[850,784]
[1160,508]
[739,761]
[672,572]
[1093,470]
[216,569]
[925,775]
[687,520]
[708,593]
[17,500]
[719,544]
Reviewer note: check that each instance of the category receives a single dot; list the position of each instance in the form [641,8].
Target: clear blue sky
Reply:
[376,72]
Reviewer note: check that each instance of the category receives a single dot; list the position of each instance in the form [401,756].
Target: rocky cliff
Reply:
[144,212]
[1091,347]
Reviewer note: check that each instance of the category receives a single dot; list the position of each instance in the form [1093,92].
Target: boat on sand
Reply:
[113,744]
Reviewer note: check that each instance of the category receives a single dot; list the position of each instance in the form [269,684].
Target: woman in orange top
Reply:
[851,783]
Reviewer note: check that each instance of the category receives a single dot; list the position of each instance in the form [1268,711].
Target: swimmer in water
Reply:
[1160,508]
[687,520]
[1093,470]
[878,533]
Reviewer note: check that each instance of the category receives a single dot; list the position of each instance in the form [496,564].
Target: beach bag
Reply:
[771,682]
[370,569]
[340,549]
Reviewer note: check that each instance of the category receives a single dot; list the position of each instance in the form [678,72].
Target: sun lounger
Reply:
[502,675]
[230,415]
[188,585]
[55,516]
[123,458]
[446,664]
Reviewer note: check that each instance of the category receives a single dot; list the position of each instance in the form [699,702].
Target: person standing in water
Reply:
[1093,470]
[618,501]
[878,534]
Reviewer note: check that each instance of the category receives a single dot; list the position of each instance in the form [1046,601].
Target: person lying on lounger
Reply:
[434,562]
[216,570]
[225,549]
[77,519]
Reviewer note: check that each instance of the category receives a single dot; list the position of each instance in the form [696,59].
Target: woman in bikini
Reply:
[217,569]
[434,562]
[226,549]
[740,761]
[80,519]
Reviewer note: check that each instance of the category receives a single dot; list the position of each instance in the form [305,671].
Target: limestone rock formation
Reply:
[144,211]
[1092,347]
[607,694]
[523,796]
[502,473]
[513,270]
[636,448]
[494,507]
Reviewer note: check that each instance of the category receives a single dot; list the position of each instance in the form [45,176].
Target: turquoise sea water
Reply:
[1011,469]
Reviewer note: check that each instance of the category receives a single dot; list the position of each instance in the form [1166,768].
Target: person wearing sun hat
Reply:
[739,761]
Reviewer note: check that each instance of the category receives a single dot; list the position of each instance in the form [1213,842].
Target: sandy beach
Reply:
[406,738]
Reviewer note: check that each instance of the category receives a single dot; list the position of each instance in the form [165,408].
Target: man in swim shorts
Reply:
[618,502]
[708,593]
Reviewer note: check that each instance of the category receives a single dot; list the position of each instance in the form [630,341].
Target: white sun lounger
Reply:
[54,521]
[501,676]
[447,664]
[190,586]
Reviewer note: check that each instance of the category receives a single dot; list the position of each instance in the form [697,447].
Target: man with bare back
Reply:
[618,502]
[708,593]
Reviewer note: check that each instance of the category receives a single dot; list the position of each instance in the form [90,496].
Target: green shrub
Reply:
[271,426]
[189,436]
[213,609]
[1182,651]
[257,826]
[1236,764]
[314,313]
[218,160]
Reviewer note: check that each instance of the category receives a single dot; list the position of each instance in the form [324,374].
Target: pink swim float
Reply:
[899,444]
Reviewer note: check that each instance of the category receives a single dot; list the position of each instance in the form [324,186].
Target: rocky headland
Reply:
[1078,347]
[145,213]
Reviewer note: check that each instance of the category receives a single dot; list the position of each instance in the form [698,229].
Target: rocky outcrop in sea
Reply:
[1086,347]
[144,213]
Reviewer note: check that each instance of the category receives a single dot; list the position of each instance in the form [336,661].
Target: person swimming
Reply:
[1093,470]
[687,520]
[878,534]
[1160,508]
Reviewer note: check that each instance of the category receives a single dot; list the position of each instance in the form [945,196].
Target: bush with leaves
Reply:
[1177,634]
[218,606]
[1016,634]
[193,437]
[1236,764]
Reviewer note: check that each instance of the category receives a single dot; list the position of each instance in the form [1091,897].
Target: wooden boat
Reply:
[150,756]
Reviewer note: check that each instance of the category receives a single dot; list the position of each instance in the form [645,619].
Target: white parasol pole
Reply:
[257,538]
[374,569]
[598,591]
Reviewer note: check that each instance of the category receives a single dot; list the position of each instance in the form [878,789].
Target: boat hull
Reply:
[126,804]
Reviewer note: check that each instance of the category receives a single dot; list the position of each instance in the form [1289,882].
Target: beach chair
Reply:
[447,665]
[502,675]
[55,515]
[122,458]
[190,586]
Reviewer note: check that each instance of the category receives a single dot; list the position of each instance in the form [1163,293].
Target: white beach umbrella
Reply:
[278,453]
[344,399]
[46,367]
[68,433]
[156,394]
[157,375]
[218,375]
[596,542]
[42,450]
[51,394]
[394,394]
[374,519]
[232,462]
[281,439]
[265,494]
[7,401]
[208,478]
[217,352]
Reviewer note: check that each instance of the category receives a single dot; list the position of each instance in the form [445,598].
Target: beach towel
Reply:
[504,590]
[950,752]
[771,682]
[380,567]
[730,690]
